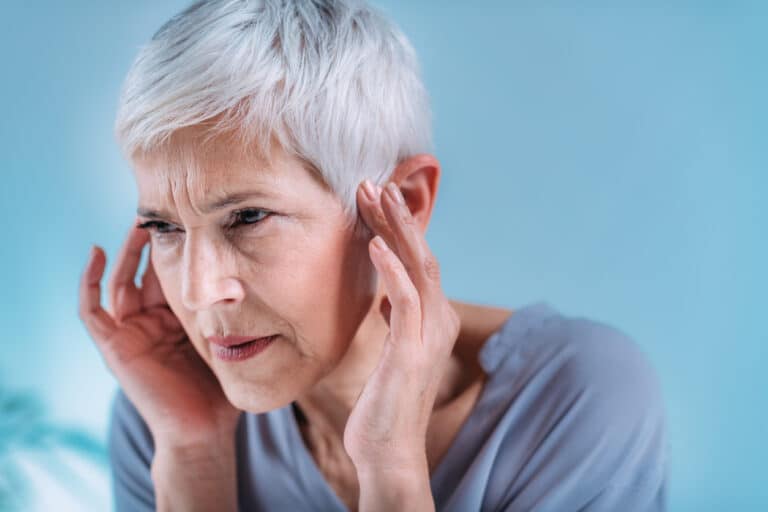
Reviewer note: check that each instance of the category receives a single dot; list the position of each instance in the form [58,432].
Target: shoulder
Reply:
[603,360]
[578,355]
[597,413]
[600,371]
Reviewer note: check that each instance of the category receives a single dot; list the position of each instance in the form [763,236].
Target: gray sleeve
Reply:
[131,449]
[606,449]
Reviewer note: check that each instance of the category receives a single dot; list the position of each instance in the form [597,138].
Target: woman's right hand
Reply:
[146,348]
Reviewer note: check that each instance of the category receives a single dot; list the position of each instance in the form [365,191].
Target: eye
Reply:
[157,226]
[245,217]
[249,216]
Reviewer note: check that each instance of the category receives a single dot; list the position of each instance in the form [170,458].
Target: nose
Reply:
[207,279]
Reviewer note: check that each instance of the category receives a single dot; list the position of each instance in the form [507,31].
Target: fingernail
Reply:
[370,193]
[394,191]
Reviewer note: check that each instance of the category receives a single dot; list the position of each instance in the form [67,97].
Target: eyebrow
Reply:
[217,204]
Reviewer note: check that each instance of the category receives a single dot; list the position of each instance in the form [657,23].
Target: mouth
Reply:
[235,348]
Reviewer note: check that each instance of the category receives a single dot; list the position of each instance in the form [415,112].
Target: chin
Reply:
[252,398]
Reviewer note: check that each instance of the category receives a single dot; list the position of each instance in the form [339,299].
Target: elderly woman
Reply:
[290,346]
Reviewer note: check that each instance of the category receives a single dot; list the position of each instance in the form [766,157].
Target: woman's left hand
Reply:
[386,430]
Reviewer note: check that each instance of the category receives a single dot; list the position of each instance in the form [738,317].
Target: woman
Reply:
[290,346]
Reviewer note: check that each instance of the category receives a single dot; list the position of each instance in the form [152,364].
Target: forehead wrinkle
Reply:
[187,172]
[196,186]
[178,174]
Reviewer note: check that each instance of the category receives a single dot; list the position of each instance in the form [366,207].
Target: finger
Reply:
[151,292]
[123,294]
[411,245]
[136,336]
[405,310]
[370,210]
[97,321]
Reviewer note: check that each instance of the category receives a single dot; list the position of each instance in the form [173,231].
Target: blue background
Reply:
[610,161]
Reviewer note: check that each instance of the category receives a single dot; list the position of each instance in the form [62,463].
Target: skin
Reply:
[300,272]
[297,273]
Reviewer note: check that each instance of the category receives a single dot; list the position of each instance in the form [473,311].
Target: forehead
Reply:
[190,157]
[219,172]
[199,165]
[209,185]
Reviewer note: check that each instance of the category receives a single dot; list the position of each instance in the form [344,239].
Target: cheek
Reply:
[321,289]
[340,273]
[169,279]
[327,288]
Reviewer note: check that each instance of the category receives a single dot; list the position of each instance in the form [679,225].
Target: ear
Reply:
[418,177]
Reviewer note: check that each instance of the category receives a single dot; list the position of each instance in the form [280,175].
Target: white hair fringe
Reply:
[334,82]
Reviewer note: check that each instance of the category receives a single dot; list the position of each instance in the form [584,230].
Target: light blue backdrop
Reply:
[611,161]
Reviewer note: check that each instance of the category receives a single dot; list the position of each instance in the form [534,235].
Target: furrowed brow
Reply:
[215,205]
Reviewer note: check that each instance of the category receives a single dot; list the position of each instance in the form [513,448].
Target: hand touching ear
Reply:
[388,424]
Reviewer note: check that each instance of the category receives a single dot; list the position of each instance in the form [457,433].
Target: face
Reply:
[283,261]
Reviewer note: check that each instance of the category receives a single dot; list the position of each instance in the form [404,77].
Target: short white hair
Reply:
[334,82]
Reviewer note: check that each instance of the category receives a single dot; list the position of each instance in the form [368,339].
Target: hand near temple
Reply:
[179,397]
[385,434]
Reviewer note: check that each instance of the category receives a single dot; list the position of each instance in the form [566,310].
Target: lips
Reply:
[232,341]
[239,351]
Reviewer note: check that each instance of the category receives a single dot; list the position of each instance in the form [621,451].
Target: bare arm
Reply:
[197,478]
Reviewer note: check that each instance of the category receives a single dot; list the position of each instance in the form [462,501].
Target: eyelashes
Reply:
[246,217]
[240,218]
[154,226]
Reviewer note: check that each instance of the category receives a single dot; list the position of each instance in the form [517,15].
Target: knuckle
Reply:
[408,219]
[380,219]
[84,310]
[407,301]
[120,291]
[431,268]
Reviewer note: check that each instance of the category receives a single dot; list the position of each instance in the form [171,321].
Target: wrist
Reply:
[394,467]
[193,439]
[400,478]
[203,459]
[390,488]
[195,478]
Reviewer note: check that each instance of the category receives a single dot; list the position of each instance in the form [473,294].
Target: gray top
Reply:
[571,418]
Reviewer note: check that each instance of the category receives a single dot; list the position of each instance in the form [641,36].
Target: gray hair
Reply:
[334,82]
